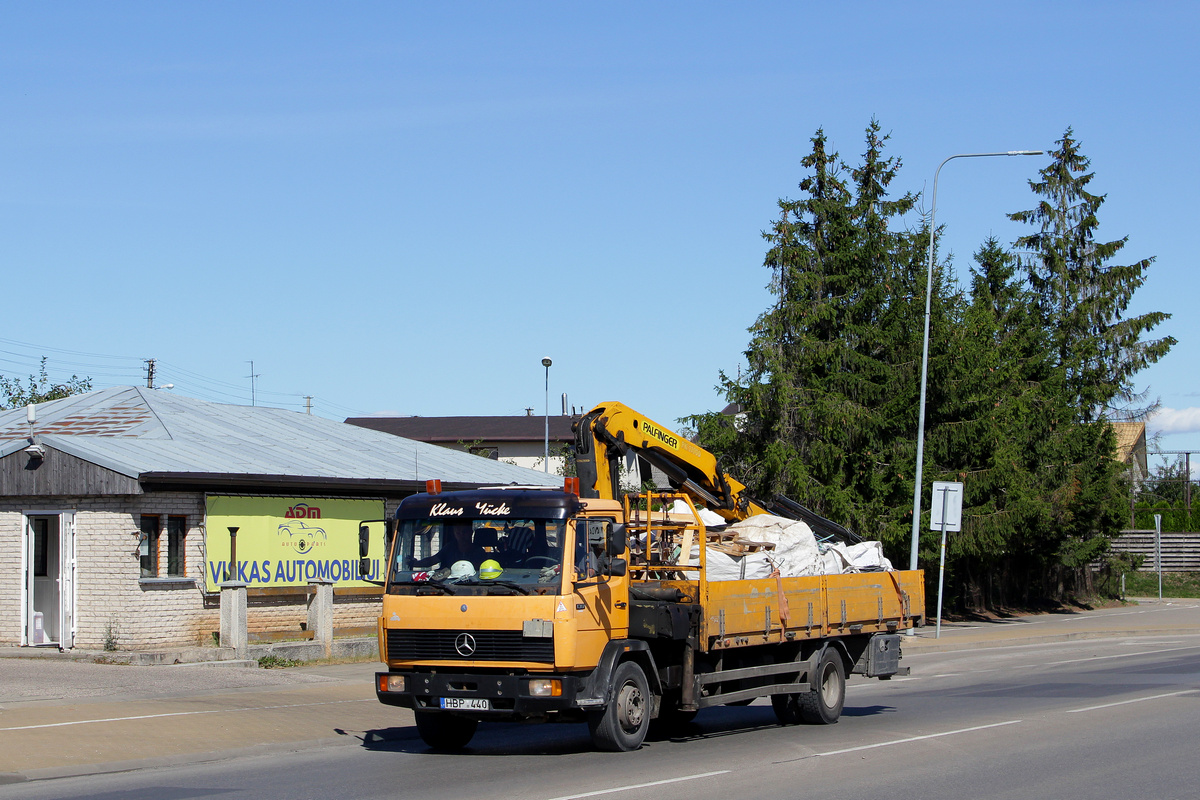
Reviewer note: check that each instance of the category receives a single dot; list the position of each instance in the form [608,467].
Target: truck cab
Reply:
[503,604]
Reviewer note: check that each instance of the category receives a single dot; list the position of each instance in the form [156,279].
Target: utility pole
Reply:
[252,376]
[150,373]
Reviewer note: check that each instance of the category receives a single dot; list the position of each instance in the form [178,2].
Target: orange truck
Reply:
[580,605]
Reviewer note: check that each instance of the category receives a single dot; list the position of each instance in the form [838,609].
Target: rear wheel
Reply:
[445,731]
[622,725]
[823,705]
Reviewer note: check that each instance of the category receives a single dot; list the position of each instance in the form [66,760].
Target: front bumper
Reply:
[509,696]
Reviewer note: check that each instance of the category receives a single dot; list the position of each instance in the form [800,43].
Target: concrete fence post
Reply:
[320,615]
[233,617]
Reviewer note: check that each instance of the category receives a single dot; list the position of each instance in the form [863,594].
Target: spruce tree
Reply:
[828,396]
[1081,297]
[1094,352]
[984,421]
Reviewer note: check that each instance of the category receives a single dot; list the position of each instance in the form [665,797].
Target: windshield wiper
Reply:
[508,585]
[435,584]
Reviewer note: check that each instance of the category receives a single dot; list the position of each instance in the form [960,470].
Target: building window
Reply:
[176,535]
[41,546]
[149,547]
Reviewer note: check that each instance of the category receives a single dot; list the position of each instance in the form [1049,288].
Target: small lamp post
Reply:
[546,362]
[916,523]
[231,570]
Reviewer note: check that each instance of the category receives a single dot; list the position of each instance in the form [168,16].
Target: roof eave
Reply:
[205,481]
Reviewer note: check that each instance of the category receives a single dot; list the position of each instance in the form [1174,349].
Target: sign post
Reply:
[945,513]
[1158,551]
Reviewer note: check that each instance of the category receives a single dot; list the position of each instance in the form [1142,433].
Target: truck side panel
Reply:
[747,613]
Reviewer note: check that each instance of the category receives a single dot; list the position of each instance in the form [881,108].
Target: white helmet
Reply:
[461,570]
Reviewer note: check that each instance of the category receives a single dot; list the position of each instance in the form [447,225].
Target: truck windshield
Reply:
[479,556]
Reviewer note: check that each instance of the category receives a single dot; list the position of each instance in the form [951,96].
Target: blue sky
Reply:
[398,208]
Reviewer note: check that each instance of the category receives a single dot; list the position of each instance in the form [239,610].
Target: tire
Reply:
[445,731]
[823,705]
[622,726]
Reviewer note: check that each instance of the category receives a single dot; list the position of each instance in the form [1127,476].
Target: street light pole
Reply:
[546,362]
[916,523]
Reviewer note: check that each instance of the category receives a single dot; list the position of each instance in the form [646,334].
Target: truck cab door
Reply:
[601,598]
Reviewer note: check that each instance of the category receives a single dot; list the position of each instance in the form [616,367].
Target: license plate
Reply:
[472,703]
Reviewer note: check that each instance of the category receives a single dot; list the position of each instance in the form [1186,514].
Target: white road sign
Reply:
[947,500]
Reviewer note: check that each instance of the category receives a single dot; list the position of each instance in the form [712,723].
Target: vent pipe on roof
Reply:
[564,411]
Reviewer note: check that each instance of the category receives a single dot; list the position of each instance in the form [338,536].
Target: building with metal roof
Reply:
[122,511]
[512,439]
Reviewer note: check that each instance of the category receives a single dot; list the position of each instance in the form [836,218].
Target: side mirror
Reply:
[616,540]
[364,547]
[616,568]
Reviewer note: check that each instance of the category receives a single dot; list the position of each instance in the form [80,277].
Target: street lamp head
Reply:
[1026,152]
[546,362]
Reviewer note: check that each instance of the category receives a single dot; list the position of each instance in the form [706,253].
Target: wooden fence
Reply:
[1180,551]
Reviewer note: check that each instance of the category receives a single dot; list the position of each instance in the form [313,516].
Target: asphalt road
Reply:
[1112,717]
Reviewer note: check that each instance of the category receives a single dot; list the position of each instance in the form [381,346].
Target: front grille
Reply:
[409,645]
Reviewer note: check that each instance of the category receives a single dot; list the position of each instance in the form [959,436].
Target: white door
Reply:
[66,580]
[48,588]
[27,570]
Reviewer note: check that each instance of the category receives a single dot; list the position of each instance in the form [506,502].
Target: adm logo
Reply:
[301,537]
[303,511]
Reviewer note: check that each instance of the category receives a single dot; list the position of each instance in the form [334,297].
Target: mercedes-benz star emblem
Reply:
[465,644]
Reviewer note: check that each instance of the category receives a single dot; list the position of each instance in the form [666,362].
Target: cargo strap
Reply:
[783,603]
[904,609]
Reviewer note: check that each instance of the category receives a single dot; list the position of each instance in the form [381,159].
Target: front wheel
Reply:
[622,725]
[823,705]
[445,731]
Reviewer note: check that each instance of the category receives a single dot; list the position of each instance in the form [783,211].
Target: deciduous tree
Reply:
[40,389]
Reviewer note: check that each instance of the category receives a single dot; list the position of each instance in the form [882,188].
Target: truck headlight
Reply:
[391,683]
[545,687]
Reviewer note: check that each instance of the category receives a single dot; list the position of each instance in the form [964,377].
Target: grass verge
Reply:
[1174,584]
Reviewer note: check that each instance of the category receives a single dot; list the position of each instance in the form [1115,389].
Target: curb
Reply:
[941,646]
[207,656]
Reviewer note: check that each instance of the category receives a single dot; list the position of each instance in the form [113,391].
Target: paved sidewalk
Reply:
[76,718]
[1144,617]
[62,717]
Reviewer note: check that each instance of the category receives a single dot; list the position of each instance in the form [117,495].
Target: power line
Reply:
[106,370]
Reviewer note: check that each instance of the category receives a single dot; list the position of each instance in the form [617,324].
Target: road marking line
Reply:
[177,714]
[904,741]
[642,785]
[1134,700]
[1121,655]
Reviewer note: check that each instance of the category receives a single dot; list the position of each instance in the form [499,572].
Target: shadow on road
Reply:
[513,738]
[867,711]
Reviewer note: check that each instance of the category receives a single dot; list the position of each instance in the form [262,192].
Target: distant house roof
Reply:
[469,429]
[1131,443]
[162,438]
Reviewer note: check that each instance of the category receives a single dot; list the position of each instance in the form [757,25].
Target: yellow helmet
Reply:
[490,569]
